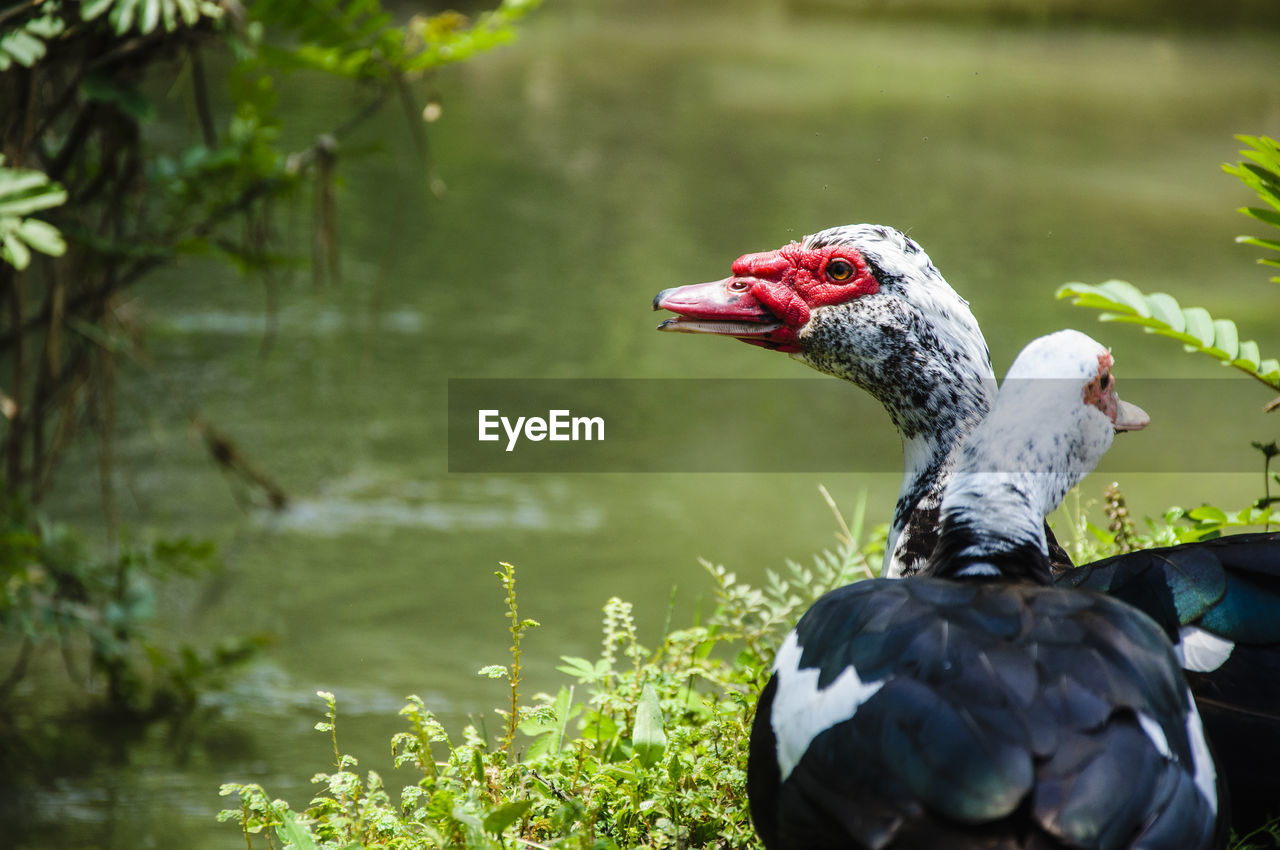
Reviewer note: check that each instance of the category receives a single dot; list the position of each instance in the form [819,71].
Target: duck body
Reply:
[978,713]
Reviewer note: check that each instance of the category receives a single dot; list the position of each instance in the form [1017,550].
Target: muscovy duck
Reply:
[978,705]
[866,304]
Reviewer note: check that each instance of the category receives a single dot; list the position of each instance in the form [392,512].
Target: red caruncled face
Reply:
[770,296]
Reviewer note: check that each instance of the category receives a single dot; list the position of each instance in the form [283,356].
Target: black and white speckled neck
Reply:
[915,346]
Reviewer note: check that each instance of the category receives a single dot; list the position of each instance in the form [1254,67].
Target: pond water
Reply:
[608,154]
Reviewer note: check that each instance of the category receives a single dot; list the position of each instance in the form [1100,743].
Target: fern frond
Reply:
[145,15]
[25,45]
[1159,313]
[23,191]
[1262,175]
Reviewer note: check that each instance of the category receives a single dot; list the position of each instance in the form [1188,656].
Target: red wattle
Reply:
[783,302]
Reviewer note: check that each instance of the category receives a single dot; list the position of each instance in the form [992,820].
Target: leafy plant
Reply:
[25,45]
[642,748]
[22,192]
[145,16]
[117,201]
[1159,313]
[1263,177]
[55,594]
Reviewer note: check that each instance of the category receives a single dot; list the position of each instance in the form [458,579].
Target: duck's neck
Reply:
[992,524]
[1013,470]
[929,367]
[928,461]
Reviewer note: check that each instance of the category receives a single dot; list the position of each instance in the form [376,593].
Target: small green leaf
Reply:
[1247,357]
[44,237]
[503,816]
[1208,513]
[25,48]
[91,9]
[292,832]
[1199,325]
[1226,339]
[1127,294]
[1164,308]
[14,251]
[150,15]
[1271,217]
[648,738]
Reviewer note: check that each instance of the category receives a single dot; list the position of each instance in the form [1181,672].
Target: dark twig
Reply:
[228,456]
[200,87]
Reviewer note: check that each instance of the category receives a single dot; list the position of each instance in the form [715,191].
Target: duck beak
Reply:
[1130,417]
[722,307]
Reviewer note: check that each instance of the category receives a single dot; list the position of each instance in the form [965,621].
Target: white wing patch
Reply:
[802,711]
[1200,651]
[1156,734]
[1206,774]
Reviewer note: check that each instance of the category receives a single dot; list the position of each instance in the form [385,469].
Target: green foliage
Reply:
[1160,314]
[55,594]
[22,192]
[507,575]
[144,16]
[1175,526]
[1263,177]
[83,81]
[645,748]
[25,45]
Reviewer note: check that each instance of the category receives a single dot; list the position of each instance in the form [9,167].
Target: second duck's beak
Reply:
[1130,417]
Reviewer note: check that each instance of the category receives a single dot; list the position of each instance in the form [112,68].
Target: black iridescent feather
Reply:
[1228,587]
[1008,719]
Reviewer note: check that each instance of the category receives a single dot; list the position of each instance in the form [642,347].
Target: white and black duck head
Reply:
[1055,418]
[863,303]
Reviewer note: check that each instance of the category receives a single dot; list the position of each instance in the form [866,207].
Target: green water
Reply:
[603,157]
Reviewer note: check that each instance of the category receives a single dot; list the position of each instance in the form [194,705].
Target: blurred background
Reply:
[614,149]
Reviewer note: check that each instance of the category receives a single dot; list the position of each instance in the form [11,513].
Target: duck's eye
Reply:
[839,270]
[1104,380]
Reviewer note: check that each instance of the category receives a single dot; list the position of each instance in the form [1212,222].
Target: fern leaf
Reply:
[1262,175]
[1159,313]
[22,192]
[25,45]
[147,15]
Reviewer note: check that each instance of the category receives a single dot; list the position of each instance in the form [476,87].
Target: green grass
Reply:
[640,747]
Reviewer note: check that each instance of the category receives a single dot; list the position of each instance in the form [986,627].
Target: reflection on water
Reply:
[604,157]
[360,503]
[303,319]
